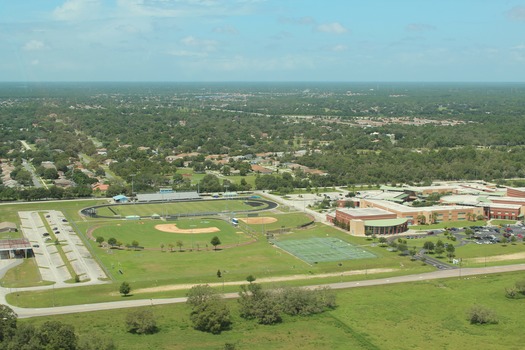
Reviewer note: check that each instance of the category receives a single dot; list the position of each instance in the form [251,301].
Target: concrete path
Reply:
[458,273]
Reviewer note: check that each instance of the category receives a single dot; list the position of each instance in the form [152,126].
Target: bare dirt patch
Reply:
[266,279]
[514,256]
[172,228]
[259,220]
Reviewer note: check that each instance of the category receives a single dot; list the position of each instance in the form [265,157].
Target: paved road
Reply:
[34,177]
[460,273]
[300,204]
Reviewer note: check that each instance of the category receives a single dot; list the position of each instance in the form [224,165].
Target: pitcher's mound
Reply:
[259,220]
[172,228]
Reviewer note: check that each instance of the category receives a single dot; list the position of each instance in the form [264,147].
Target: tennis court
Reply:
[314,250]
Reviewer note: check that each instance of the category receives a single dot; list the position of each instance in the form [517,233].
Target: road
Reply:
[300,204]
[459,273]
[35,178]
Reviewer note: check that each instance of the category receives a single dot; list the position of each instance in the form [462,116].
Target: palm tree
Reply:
[421,219]
[433,217]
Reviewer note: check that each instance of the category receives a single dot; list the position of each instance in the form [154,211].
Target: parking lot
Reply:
[44,239]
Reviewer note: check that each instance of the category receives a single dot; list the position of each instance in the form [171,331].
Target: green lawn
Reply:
[148,236]
[177,208]
[288,220]
[421,315]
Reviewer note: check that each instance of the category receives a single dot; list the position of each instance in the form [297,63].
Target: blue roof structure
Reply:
[120,198]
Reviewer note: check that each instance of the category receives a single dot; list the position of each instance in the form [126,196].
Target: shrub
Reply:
[479,314]
[141,322]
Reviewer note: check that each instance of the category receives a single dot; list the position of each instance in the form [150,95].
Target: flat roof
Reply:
[509,199]
[14,244]
[364,211]
[405,209]
[385,222]
[505,206]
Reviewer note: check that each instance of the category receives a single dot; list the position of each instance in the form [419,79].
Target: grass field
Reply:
[177,208]
[149,237]
[315,250]
[404,316]
[288,220]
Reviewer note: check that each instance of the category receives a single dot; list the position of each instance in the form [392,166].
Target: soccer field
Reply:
[315,250]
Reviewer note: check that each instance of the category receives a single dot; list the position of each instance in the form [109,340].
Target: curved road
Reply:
[460,273]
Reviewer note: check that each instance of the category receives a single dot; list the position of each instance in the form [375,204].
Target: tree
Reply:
[200,294]
[125,288]
[439,250]
[8,319]
[100,240]
[57,335]
[212,317]
[208,314]
[383,240]
[135,243]
[179,244]
[171,246]
[402,247]
[433,217]
[469,232]
[219,273]
[421,219]
[305,302]
[250,278]
[112,241]
[255,303]
[450,250]
[429,246]
[479,314]
[141,322]
[215,241]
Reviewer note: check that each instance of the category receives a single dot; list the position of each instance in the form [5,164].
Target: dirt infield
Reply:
[259,220]
[172,228]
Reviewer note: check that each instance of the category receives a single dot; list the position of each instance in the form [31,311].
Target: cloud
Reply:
[187,8]
[305,21]
[34,45]
[194,47]
[35,62]
[419,27]
[332,28]
[339,48]
[206,45]
[226,29]
[517,13]
[72,10]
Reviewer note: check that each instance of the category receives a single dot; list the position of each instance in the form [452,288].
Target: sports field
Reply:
[315,250]
[181,208]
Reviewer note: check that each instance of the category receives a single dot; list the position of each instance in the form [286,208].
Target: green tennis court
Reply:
[314,250]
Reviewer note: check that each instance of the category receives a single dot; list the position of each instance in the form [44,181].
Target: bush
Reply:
[481,315]
[141,322]
[208,312]
[259,305]
[304,302]
[211,316]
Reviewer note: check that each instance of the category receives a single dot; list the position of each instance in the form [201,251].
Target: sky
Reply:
[262,40]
